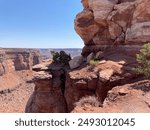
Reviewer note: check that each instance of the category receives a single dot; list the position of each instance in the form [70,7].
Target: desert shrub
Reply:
[143,59]
[89,100]
[94,62]
[61,57]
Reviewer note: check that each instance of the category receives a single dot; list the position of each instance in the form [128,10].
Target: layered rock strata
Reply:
[49,90]
[113,23]
[18,59]
[129,98]
[58,89]
[3,66]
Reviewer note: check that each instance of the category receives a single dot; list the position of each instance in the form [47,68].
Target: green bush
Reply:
[94,62]
[143,59]
[61,57]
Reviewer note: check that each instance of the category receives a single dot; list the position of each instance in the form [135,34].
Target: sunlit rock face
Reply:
[111,23]
[3,66]
[18,59]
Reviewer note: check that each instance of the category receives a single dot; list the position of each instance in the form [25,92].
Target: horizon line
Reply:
[38,48]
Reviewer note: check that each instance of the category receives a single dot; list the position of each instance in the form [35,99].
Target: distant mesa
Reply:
[18,59]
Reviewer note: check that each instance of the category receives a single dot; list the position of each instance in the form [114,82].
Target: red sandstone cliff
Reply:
[111,23]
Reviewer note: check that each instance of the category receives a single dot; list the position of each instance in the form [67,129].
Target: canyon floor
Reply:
[15,90]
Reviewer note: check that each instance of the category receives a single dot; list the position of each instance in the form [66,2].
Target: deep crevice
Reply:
[63,80]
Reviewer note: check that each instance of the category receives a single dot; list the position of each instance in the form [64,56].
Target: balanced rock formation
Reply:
[110,23]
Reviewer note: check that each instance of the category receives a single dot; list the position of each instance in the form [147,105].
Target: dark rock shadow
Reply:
[144,86]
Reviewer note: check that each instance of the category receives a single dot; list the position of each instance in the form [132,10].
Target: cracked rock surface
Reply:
[109,23]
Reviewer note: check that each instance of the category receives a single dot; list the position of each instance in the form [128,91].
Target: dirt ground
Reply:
[15,90]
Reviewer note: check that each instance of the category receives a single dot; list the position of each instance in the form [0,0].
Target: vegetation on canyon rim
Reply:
[143,59]
[61,57]
[94,62]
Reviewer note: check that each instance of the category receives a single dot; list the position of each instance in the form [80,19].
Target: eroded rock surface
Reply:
[113,23]
[60,89]
[129,98]
[48,95]
[18,59]
[3,66]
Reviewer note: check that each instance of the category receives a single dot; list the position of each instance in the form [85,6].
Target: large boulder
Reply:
[85,26]
[113,23]
[75,62]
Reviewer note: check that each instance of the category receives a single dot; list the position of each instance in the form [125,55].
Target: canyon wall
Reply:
[18,59]
[2,63]
[123,24]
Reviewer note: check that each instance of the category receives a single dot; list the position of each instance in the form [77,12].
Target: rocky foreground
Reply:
[109,86]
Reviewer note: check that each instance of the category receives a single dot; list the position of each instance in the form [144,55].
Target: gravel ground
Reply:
[15,100]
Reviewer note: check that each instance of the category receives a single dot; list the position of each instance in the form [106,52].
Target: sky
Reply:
[39,23]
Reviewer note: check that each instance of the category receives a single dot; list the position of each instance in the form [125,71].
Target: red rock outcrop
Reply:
[113,23]
[129,98]
[97,80]
[48,95]
[59,89]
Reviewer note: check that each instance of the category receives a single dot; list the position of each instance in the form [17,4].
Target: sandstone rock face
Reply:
[90,57]
[90,81]
[130,98]
[2,70]
[48,95]
[111,23]
[18,59]
[3,66]
[24,60]
[79,83]
[75,62]
[60,89]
